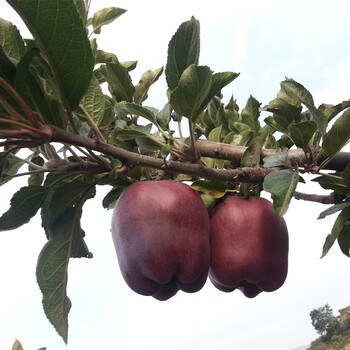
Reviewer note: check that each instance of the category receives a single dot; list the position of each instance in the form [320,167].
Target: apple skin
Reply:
[249,246]
[161,235]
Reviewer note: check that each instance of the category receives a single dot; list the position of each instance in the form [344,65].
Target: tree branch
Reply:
[323,199]
[206,149]
[234,154]
[252,175]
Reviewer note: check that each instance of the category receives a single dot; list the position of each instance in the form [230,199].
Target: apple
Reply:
[161,234]
[249,246]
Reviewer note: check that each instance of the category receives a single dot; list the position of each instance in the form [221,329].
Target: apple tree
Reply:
[72,119]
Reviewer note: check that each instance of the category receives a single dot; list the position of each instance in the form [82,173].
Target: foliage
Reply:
[62,130]
[323,320]
[336,334]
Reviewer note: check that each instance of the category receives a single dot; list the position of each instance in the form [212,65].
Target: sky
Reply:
[265,41]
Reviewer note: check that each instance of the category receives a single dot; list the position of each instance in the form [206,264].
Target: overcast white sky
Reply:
[264,41]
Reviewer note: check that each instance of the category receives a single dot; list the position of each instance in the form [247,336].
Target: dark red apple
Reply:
[249,246]
[160,231]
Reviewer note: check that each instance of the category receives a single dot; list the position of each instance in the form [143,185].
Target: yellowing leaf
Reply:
[211,188]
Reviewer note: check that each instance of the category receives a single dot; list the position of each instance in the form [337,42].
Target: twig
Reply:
[323,199]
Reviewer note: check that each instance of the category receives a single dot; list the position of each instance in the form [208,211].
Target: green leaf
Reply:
[243,139]
[209,201]
[265,132]
[115,164]
[183,51]
[218,82]
[295,93]
[164,116]
[191,91]
[216,135]
[302,132]
[284,113]
[338,226]
[64,195]
[7,67]
[331,111]
[82,9]
[209,122]
[338,182]
[112,196]
[108,115]
[333,209]
[23,206]
[284,141]
[37,178]
[251,113]
[11,40]
[105,16]
[281,184]
[149,145]
[105,57]
[61,214]
[251,156]
[119,82]
[344,239]
[52,269]
[270,142]
[129,134]
[271,122]
[232,105]
[123,109]
[129,65]
[29,84]
[278,159]
[147,79]
[338,136]
[211,188]
[221,117]
[319,118]
[9,166]
[239,127]
[229,137]
[65,45]
[94,105]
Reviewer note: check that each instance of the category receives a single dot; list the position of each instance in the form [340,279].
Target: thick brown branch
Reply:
[206,149]
[253,175]
[234,153]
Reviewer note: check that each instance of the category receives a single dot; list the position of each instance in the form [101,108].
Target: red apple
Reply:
[160,231]
[249,246]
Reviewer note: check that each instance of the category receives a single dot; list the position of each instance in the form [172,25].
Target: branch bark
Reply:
[323,199]
[252,175]
[234,153]
[206,149]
